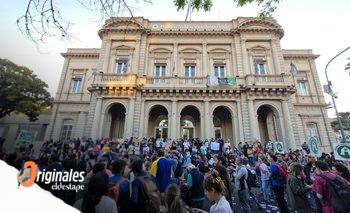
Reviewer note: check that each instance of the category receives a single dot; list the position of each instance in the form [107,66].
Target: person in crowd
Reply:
[265,179]
[173,202]
[161,170]
[221,167]
[320,186]
[141,188]
[278,185]
[341,170]
[95,200]
[297,189]
[241,176]
[214,190]
[195,180]
[98,168]
[118,167]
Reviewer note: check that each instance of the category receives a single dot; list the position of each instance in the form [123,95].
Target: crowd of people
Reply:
[175,176]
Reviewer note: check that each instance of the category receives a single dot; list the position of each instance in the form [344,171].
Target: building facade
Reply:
[227,79]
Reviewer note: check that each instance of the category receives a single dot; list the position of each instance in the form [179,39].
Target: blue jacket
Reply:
[277,179]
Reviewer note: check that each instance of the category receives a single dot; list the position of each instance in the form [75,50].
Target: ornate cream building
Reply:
[160,78]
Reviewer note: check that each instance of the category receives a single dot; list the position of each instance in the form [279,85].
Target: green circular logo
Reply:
[279,147]
[347,138]
[343,151]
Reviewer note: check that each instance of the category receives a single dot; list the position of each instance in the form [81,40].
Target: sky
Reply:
[320,25]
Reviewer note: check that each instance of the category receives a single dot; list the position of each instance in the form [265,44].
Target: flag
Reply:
[213,81]
[231,81]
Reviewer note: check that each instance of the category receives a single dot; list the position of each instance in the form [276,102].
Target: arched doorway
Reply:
[269,124]
[158,122]
[116,116]
[190,122]
[222,121]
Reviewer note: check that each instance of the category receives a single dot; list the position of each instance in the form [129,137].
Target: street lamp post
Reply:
[332,94]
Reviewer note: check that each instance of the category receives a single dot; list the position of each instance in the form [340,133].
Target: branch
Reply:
[42,18]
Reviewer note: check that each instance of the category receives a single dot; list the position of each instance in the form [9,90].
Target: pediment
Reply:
[259,24]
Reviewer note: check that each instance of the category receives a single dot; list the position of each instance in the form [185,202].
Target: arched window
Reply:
[67,127]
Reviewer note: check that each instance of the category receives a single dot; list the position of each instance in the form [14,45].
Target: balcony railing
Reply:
[114,79]
[268,80]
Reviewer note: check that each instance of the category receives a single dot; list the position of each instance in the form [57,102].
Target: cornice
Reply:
[80,55]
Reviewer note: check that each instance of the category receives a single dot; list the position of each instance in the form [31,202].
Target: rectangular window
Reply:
[259,66]
[121,66]
[219,71]
[302,88]
[76,84]
[190,72]
[312,131]
[67,129]
[159,71]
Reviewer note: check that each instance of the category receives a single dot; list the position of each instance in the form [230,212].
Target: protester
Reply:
[341,170]
[95,200]
[214,190]
[278,185]
[195,180]
[173,201]
[297,189]
[241,176]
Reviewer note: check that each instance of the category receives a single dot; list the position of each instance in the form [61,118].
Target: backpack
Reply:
[340,193]
[251,180]
[113,190]
[149,195]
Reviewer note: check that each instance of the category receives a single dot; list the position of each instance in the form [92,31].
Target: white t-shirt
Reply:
[221,207]
[106,205]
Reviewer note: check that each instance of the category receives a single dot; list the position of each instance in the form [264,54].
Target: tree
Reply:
[345,119]
[42,18]
[21,91]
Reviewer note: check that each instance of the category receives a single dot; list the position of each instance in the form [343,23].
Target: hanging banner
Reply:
[279,147]
[341,151]
[314,147]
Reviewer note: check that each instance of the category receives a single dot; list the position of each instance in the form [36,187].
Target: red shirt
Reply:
[320,187]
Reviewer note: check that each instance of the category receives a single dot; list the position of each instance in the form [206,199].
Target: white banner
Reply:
[314,147]
[215,146]
[341,151]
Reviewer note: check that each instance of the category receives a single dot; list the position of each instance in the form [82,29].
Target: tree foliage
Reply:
[345,120]
[21,91]
[42,18]
[267,6]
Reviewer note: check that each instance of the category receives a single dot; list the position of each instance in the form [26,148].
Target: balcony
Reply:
[275,81]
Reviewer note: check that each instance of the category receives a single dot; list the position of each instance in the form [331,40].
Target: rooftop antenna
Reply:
[189,10]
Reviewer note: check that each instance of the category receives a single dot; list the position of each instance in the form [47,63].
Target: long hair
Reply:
[173,200]
[97,187]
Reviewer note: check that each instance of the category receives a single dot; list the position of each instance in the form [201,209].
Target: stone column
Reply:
[205,60]
[173,128]
[142,120]
[106,60]
[253,120]
[288,126]
[240,121]
[175,71]
[130,118]
[97,117]
[101,131]
[276,62]
[246,69]
[207,121]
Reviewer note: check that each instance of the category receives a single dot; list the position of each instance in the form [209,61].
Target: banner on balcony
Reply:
[215,81]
